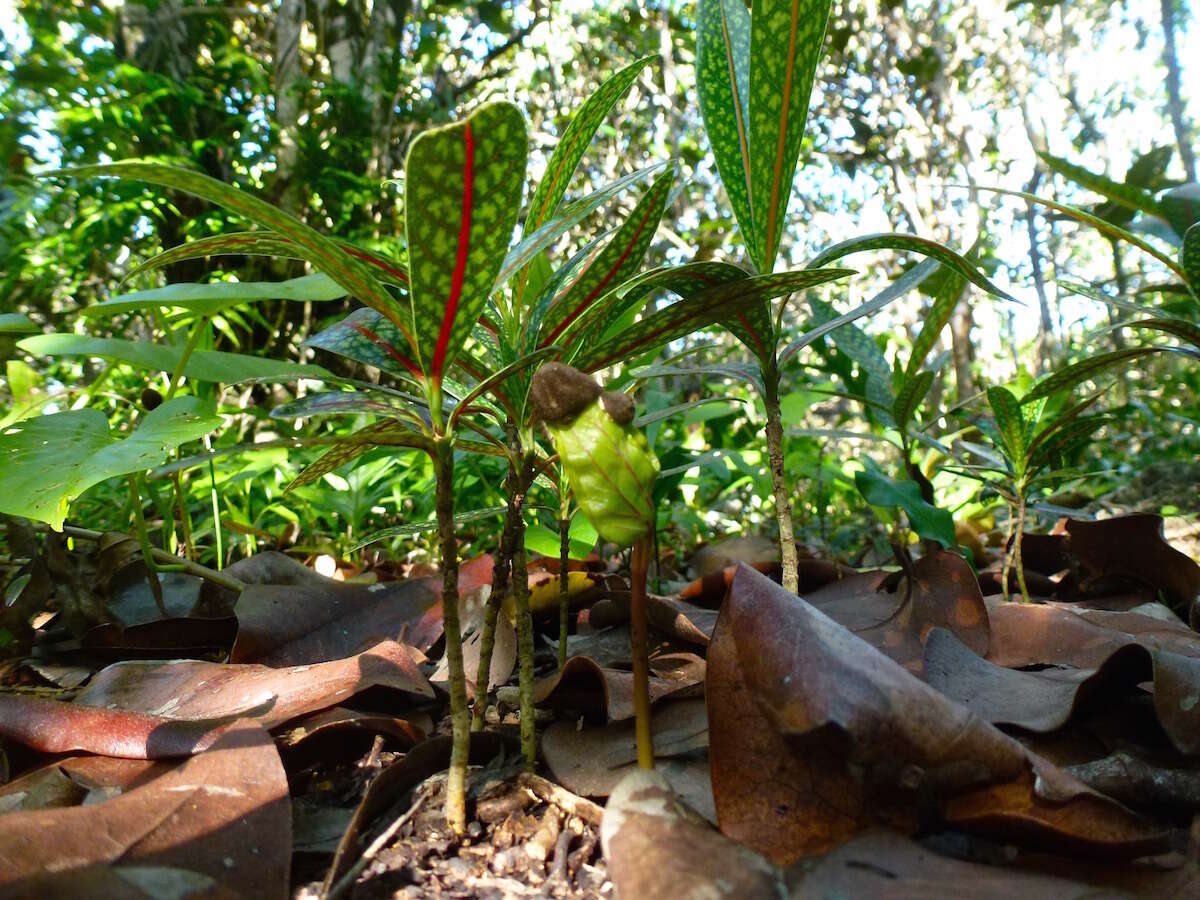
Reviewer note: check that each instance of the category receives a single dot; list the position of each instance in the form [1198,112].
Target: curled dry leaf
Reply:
[941,592]
[223,814]
[655,846]
[590,760]
[1133,547]
[77,780]
[606,695]
[814,735]
[196,690]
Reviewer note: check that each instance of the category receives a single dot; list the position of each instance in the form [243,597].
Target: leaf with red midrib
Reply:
[462,194]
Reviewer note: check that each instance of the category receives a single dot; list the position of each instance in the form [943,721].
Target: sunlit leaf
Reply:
[1189,258]
[1007,410]
[912,391]
[384,433]
[944,302]
[926,520]
[367,337]
[1185,331]
[48,461]
[462,193]
[1128,195]
[207,299]
[1181,207]
[16,323]
[202,365]
[1068,377]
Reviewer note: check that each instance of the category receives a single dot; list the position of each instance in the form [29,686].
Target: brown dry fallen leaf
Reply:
[195,690]
[815,735]
[224,814]
[606,695]
[1133,547]
[944,593]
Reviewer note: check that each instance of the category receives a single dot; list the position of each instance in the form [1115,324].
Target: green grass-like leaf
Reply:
[207,299]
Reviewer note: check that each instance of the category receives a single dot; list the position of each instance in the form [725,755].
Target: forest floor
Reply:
[902,731]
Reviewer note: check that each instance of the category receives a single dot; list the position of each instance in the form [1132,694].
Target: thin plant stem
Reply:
[456,778]
[783,503]
[216,507]
[1006,568]
[139,526]
[639,568]
[1017,540]
[564,584]
[520,584]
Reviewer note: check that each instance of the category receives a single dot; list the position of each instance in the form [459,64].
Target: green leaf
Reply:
[413,529]
[1064,440]
[684,281]
[1107,229]
[384,433]
[367,337]
[1189,258]
[1175,327]
[1128,195]
[1067,378]
[912,391]
[325,255]
[1181,207]
[1010,422]
[926,520]
[496,379]
[202,365]
[462,193]
[911,243]
[240,243]
[207,299]
[944,302]
[574,142]
[856,344]
[620,257]
[786,37]
[327,403]
[545,542]
[671,412]
[15,323]
[734,371]
[721,303]
[723,87]
[567,217]
[48,461]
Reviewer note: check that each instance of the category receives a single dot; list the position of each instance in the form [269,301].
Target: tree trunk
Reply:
[289,23]
[1174,100]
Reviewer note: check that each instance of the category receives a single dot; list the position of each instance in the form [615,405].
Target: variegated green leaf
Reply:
[944,302]
[498,378]
[202,365]
[620,257]
[1064,440]
[367,337]
[856,344]
[717,304]
[385,433]
[911,243]
[1067,378]
[1128,195]
[912,391]
[332,403]
[413,529]
[1007,411]
[1176,327]
[1189,258]
[462,193]
[1181,207]
[786,37]
[574,142]
[208,299]
[684,280]
[1107,229]
[324,254]
[723,87]
[567,217]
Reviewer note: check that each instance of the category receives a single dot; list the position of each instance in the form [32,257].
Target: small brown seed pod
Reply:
[151,399]
[560,392]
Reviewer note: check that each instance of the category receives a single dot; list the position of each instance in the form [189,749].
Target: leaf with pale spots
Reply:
[461,198]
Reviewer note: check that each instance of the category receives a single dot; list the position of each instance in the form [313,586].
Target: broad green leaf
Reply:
[1181,207]
[911,243]
[723,87]
[367,337]
[1176,327]
[15,323]
[1107,229]
[1067,378]
[926,520]
[620,257]
[48,461]
[462,193]
[716,304]
[684,281]
[324,254]
[567,217]
[202,365]
[1128,195]
[786,37]
[944,302]
[912,391]
[384,433]
[545,542]
[413,529]
[207,299]
[1007,410]
[1189,258]
[574,142]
